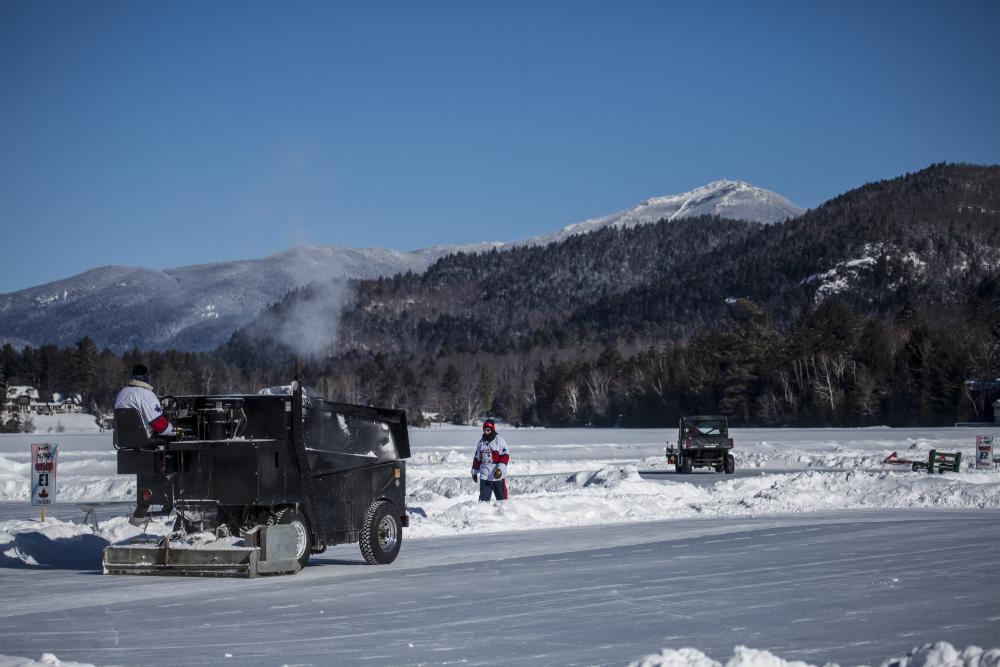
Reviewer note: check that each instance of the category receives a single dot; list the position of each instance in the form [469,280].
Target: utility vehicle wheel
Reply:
[303,539]
[686,465]
[381,533]
[730,464]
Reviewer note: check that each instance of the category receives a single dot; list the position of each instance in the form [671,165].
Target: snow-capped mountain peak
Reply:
[736,200]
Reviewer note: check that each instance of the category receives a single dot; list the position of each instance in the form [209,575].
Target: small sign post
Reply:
[984,452]
[43,475]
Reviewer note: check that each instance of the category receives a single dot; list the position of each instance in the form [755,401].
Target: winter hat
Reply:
[489,424]
[140,372]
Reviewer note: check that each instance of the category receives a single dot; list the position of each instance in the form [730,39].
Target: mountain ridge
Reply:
[926,239]
[197,307]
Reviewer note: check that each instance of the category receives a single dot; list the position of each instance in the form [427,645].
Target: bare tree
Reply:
[984,365]
[659,379]
[344,387]
[828,376]
[478,387]
[598,382]
[787,393]
[769,408]
[569,400]
[207,373]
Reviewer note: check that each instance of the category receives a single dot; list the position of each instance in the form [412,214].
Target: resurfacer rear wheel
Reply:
[381,534]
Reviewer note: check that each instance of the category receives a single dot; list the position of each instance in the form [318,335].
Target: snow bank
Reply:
[941,654]
[47,660]
[615,494]
[65,423]
[84,476]
[449,505]
[64,544]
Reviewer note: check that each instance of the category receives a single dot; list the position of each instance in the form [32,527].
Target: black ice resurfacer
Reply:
[261,481]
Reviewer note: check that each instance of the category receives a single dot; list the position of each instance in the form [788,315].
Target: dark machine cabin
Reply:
[334,473]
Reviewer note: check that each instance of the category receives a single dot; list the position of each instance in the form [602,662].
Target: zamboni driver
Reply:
[138,395]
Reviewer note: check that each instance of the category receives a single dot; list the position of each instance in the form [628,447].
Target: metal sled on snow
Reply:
[943,461]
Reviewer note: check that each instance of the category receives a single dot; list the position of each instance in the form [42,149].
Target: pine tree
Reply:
[85,368]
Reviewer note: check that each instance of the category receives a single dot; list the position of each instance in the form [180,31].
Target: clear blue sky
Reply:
[168,134]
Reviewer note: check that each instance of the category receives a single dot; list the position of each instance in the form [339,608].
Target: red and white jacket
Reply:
[491,455]
[139,396]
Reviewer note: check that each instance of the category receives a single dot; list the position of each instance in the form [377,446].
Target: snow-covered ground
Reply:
[572,491]
[574,477]
[64,423]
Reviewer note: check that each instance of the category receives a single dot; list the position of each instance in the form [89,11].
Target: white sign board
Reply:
[984,452]
[43,474]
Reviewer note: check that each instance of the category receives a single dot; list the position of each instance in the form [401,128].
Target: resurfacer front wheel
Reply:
[303,541]
[381,534]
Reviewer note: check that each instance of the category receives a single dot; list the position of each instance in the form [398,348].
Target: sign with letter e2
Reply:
[43,474]
[984,452]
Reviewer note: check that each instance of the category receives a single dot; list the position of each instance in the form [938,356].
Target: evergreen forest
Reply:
[880,307]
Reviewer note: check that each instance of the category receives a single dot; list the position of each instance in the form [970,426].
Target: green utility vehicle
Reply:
[703,442]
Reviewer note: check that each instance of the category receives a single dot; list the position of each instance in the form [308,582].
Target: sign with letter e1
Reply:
[984,452]
[43,474]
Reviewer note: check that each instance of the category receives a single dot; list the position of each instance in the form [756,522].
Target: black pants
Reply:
[488,487]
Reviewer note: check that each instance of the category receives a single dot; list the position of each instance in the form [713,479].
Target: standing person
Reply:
[489,465]
[138,395]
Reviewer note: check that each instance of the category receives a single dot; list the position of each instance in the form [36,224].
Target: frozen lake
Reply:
[813,551]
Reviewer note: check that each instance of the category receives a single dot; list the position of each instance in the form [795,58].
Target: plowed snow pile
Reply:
[941,654]
[558,478]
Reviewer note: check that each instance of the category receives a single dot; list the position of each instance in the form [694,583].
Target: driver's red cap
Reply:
[489,424]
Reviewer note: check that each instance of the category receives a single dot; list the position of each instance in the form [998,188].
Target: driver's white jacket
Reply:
[139,396]
[491,455]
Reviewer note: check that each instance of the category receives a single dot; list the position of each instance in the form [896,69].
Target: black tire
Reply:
[686,465]
[729,464]
[381,533]
[303,537]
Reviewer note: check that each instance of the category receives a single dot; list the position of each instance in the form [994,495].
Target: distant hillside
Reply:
[192,308]
[926,238]
[196,308]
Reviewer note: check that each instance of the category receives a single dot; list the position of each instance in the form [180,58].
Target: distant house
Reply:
[23,399]
[20,399]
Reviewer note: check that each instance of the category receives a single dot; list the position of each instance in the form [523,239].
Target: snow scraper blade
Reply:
[268,550]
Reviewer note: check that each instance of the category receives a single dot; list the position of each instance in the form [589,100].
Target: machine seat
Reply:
[129,430]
